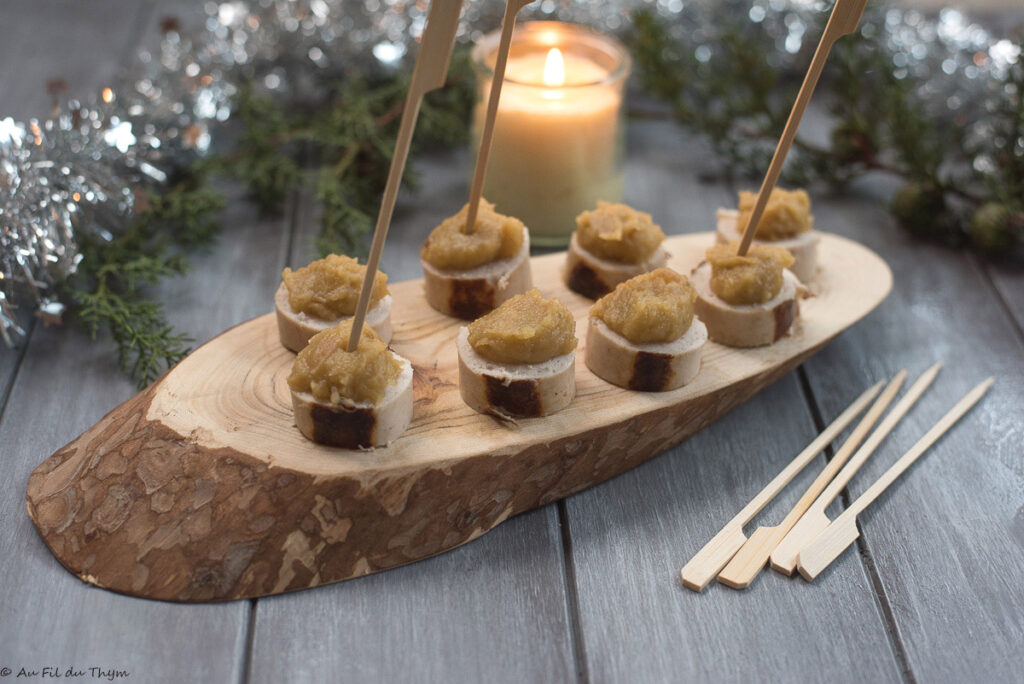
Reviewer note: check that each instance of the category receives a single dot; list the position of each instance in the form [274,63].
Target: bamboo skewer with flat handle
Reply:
[512,8]
[752,557]
[703,567]
[843,20]
[430,73]
[783,558]
[838,536]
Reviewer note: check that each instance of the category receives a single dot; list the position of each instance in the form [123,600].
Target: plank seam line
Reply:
[867,561]
[16,371]
[245,671]
[883,601]
[294,210]
[140,21]
[986,274]
[572,596]
[143,17]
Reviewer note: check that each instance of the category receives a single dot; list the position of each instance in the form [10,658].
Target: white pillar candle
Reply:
[557,145]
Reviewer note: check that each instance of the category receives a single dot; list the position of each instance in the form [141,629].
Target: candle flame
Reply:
[554,68]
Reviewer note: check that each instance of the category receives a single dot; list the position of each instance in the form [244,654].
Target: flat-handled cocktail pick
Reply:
[783,558]
[512,8]
[843,20]
[838,536]
[703,567]
[753,555]
[430,73]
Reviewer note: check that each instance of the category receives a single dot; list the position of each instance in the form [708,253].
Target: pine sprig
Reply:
[111,288]
[343,147]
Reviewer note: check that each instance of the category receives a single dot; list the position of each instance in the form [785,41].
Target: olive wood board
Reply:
[200,488]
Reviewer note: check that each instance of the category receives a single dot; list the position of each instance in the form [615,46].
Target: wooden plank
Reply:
[67,51]
[82,45]
[67,383]
[1009,282]
[61,619]
[630,536]
[948,539]
[493,610]
[236,279]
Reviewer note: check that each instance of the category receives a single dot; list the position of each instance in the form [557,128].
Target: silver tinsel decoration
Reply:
[72,175]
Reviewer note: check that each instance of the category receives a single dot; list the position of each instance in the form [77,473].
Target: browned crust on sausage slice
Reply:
[471,299]
[339,426]
[651,372]
[583,280]
[357,426]
[784,314]
[515,399]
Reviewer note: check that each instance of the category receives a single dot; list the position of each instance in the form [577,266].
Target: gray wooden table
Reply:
[585,589]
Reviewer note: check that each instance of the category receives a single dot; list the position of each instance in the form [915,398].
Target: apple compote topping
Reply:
[787,214]
[495,237]
[752,279]
[618,233]
[329,288]
[650,308]
[332,374]
[525,329]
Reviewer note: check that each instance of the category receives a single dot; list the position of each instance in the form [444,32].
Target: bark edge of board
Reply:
[201,489]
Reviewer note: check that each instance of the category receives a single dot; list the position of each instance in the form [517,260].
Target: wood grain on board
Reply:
[205,479]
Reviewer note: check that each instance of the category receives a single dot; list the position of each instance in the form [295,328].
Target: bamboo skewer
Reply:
[838,536]
[843,20]
[784,557]
[753,555]
[430,73]
[703,567]
[508,22]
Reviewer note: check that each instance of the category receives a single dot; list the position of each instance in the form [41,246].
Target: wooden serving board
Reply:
[201,488]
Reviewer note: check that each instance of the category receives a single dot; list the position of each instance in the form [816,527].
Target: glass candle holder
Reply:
[558,136]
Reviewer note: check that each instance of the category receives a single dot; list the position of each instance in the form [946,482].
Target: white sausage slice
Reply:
[472,293]
[644,367]
[358,425]
[508,390]
[747,325]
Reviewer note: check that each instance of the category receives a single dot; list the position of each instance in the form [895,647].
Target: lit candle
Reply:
[557,146]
